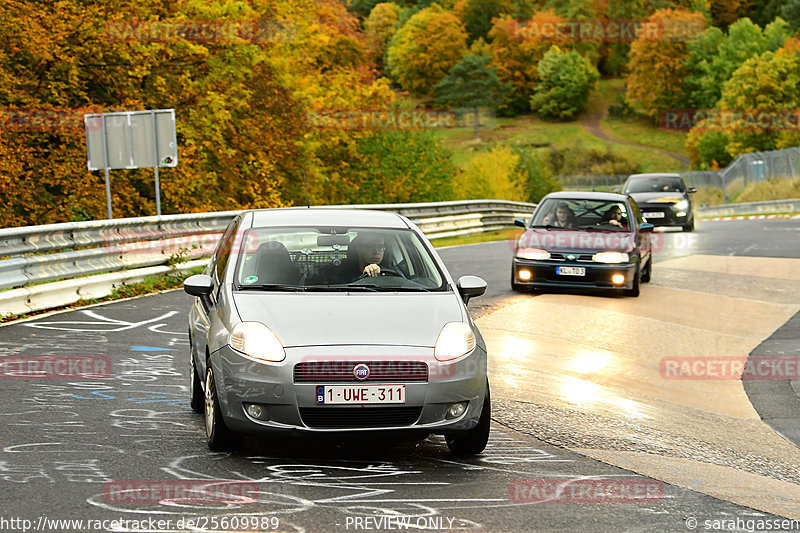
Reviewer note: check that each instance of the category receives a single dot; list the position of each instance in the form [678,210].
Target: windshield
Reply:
[655,184]
[315,258]
[581,214]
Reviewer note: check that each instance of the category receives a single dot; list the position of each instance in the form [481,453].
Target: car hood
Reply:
[657,197]
[338,318]
[555,240]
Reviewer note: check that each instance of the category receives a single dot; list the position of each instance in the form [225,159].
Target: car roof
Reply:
[655,175]
[587,195]
[325,216]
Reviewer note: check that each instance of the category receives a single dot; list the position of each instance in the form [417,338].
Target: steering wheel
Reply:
[387,271]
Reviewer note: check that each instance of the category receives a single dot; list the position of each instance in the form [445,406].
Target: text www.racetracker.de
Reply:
[43,523]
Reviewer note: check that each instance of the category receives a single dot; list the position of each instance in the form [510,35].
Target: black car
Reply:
[664,199]
[583,240]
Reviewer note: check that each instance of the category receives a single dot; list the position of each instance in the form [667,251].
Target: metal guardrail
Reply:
[750,208]
[36,254]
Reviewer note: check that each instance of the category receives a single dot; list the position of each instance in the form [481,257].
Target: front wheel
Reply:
[473,441]
[218,436]
[689,226]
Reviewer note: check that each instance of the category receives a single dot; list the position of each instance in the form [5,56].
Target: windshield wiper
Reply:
[271,287]
[384,288]
[340,288]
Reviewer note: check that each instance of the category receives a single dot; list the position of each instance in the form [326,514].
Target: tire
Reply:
[648,270]
[634,291]
[689,226]
[197,398]
[473,441]
[218,436]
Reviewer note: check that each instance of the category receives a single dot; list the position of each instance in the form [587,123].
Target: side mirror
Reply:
[691,190]
[618,190]
[646,227]
[470,287]
[520,222]
[201,286]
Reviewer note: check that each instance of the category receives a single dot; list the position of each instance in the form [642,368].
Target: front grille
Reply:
[358,417]
[582,258]
[342,372]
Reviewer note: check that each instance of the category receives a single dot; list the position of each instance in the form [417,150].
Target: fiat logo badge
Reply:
[361,371]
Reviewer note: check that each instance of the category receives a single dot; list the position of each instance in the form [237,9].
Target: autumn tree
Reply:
[241,97]
[424,50]
[471,83]
[714,56]
[707,146]
[770,81]
[379,28]
[477,15]
[491,174]
[791,12]
[517,47]
[565,81]
[657,69]
[536,174]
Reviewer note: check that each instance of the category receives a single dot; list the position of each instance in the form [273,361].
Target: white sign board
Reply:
[130,139]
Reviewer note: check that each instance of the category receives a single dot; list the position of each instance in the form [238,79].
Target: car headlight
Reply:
[455,340]
[610,257]
[533,253]
[682,205]
[256,340]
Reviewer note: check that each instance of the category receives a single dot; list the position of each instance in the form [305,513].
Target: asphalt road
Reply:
[100,449]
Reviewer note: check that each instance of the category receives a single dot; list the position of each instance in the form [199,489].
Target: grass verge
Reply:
[487,236]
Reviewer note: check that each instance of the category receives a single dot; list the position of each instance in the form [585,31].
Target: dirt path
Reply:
[593,126]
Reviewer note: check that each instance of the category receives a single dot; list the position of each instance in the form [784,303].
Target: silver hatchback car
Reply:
[335,321]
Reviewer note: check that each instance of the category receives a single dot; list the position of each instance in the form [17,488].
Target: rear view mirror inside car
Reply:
[331,240]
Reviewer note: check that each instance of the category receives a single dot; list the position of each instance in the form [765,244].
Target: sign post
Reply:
[131,139]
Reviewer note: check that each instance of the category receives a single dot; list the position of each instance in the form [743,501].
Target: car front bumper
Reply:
[666,215]
[291,406]
[598,275]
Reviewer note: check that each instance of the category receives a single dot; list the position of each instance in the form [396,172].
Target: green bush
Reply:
[537,175]
[565,81]
[493,175]
[398,167]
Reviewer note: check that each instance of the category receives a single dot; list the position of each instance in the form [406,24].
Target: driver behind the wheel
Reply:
[368,253]
[364,255]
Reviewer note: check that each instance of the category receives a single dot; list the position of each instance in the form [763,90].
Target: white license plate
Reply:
[571,271]
[360,394]
[654,214]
